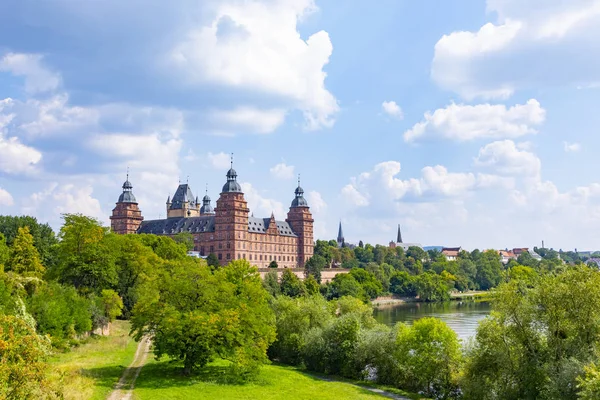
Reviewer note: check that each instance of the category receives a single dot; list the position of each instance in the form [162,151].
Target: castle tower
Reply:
[231,220]
[206,208]
[301,221]
[183,203]
[126,216]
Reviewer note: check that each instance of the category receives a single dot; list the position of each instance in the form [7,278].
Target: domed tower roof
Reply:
[127,195]
[299,200]
[206,208]
[231,185]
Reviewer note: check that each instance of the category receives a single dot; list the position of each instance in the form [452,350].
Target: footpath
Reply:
[124,388]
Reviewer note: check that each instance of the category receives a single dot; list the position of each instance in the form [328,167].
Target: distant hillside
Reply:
[438,248]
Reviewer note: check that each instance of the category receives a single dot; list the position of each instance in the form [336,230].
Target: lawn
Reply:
[91,370]
[163,380]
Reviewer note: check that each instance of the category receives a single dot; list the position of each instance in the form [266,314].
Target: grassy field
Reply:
[163,380]
[91,370]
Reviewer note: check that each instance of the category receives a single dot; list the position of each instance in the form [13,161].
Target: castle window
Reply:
[220,256]
[239,256]
[280,258]
[220,246]
[228,245]
[261,257]
[212,249]
[228,256]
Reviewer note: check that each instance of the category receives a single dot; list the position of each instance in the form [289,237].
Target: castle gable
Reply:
[182,195]
[261,225]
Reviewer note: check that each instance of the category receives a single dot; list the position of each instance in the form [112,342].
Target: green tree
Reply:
[186,239]
[371,286]
[403,284]
[213,261]
[345,285]
[430,354]
[489,270]
[4,252]
[271,283]
[273,264]
[432,287]
[311,285]
[291,285]
[194,315]
[24,258]
[86,259]
[22,361]
[44,238]
[314,266]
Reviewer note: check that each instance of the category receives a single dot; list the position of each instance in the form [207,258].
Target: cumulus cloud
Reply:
[17,158]
[315,202]
[37,77]
[219,160]
[571,147]
[238,49]
[505,158]
[532,43]
[392,109]
[248,118]
[5,198]
[282,171]
[261,206]
[483,121]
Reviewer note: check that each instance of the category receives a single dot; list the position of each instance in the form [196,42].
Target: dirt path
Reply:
[124,388]
[380,392]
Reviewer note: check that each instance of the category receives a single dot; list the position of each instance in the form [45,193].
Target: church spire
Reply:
[399,238]
[340,237]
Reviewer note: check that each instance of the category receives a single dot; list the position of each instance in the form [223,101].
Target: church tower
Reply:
[301,221]
[126,216]
[206,208]
[340,237]
[231,220]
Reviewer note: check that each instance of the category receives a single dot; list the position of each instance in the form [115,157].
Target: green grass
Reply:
[91,370]
[163,380]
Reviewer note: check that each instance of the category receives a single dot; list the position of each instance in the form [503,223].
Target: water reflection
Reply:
[461,316]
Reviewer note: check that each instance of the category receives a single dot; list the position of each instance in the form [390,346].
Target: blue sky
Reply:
[471,123]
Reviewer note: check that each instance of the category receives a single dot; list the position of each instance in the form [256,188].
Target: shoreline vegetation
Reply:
[475,295]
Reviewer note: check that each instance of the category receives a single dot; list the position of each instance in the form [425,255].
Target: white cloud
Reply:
[483,121]
[315,202]
[260,206]
[5,198]
[392,109]
[239,49]
[15,157]
[37,77]
[249,118]
[219,160]
[571,147]
[57,199]
[505,158]
[532,44]
[282,171]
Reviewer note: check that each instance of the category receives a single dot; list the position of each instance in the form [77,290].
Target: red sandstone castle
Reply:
[228,231]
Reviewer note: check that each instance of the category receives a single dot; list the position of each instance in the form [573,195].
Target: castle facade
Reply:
[228,231]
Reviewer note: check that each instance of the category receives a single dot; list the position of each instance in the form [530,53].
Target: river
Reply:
[461,316]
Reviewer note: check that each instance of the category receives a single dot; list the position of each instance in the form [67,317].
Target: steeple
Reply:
[206,208]
[340,238]
[127,195]
[399,238]
[231,185]
[299,200]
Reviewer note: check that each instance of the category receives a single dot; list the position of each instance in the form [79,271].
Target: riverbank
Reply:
[475,295]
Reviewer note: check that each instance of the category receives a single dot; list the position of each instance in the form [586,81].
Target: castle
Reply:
[228,231]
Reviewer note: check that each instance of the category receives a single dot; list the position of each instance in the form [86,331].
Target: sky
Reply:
[470,123]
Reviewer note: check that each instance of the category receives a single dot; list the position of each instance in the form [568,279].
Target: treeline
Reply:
[379,270]
[55,290]
[540,342]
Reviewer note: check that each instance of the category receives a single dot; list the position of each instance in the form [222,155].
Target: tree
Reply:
[86,259]
[538,339]
[314,266]
[403,284]
[186,239]
[345,285]
[22,360]
[323,249]
[291,285]
[271,283]
[432,287]
[273,264]
[24,258]
[489,270]
[194,315]
[430,354]
[311,285]
[4,252]
[213,261]
[44,238]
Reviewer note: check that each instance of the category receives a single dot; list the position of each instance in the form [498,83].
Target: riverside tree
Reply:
[195,315]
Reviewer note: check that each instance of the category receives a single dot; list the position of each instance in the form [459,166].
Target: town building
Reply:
[451,253]
[229,230]
[400,243]
[506,256]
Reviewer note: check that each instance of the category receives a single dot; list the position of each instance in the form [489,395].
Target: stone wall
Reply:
[326,275]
